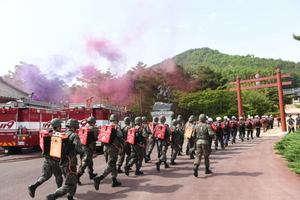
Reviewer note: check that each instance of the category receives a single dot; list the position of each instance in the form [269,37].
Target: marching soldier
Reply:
[137,149]
[177,134]
[249,128]
[127,146]
[69,162]
[257,124]
[111,153]
[147,129]
[233,128]
[50,166]
[190,125]
[89,150]
[162,141]
[226,130]
[242,128]
[203,135]
[152,139]
[181,127]
[219,133]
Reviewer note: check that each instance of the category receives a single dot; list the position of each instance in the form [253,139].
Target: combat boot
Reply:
[92,176]
[127,168]
[70,198]
[32,189]
[138,172]
[115,183]
[119,169]
[196,170]
[207,171]
[148,156]
[97,180]
[147,159]
[166,165]
[158,165]
[78,178]
[173,162]
[52,197]
[192,156]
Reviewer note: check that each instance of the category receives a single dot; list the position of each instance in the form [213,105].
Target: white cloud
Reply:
[145,38]
[200,28]
[167,30]
[212,16]
[184,25]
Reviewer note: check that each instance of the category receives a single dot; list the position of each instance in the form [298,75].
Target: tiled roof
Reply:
[10,91]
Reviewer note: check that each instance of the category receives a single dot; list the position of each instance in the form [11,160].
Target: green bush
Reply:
[289,148]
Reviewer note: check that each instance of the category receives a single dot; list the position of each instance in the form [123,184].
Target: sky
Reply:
[61,36]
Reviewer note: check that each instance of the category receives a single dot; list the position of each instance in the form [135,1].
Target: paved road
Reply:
[246,170]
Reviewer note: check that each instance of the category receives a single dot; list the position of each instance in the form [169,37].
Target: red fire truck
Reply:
[21,123]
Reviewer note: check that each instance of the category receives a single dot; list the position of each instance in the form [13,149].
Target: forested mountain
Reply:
[235,65]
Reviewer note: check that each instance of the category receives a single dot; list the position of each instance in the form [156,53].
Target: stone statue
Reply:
[165,92]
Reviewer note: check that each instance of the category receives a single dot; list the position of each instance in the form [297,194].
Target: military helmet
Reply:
[138,120]
[72,123]
[114,117]
[155,119]
[144,119]
[202,117]
[162,118]
[192,118]
[91,119]
[127,120]
[174,122]
[55,122]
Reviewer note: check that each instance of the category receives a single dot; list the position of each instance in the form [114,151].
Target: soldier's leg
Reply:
[47,173]
[206,153]
[57,173]
[198,155]
[140,156]
[121,160]
[133,159]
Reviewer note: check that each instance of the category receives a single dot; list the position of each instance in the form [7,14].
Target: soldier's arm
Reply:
[77,144]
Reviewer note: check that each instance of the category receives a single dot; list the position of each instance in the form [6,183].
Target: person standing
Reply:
[111,151]
[278,120]
[291,126]
[203,135]
[162,132]
[127,147]
[51,165]
[138,148]
[298,121]
[68,163]
[89,150]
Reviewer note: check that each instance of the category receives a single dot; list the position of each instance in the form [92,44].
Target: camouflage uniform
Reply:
[152,140]
[163,144]
[138,149]
[180,125]
[127,147]
[89,150]
[190,124]
[203,134]
[68,163]
[50,166]
[177,134]
[111,152]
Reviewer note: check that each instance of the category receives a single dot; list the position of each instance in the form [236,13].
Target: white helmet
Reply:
[233,117]
[210,119]
[241,118]
[225,117]
[218,118]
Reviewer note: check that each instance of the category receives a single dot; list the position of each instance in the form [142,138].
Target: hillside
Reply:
[234,65]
